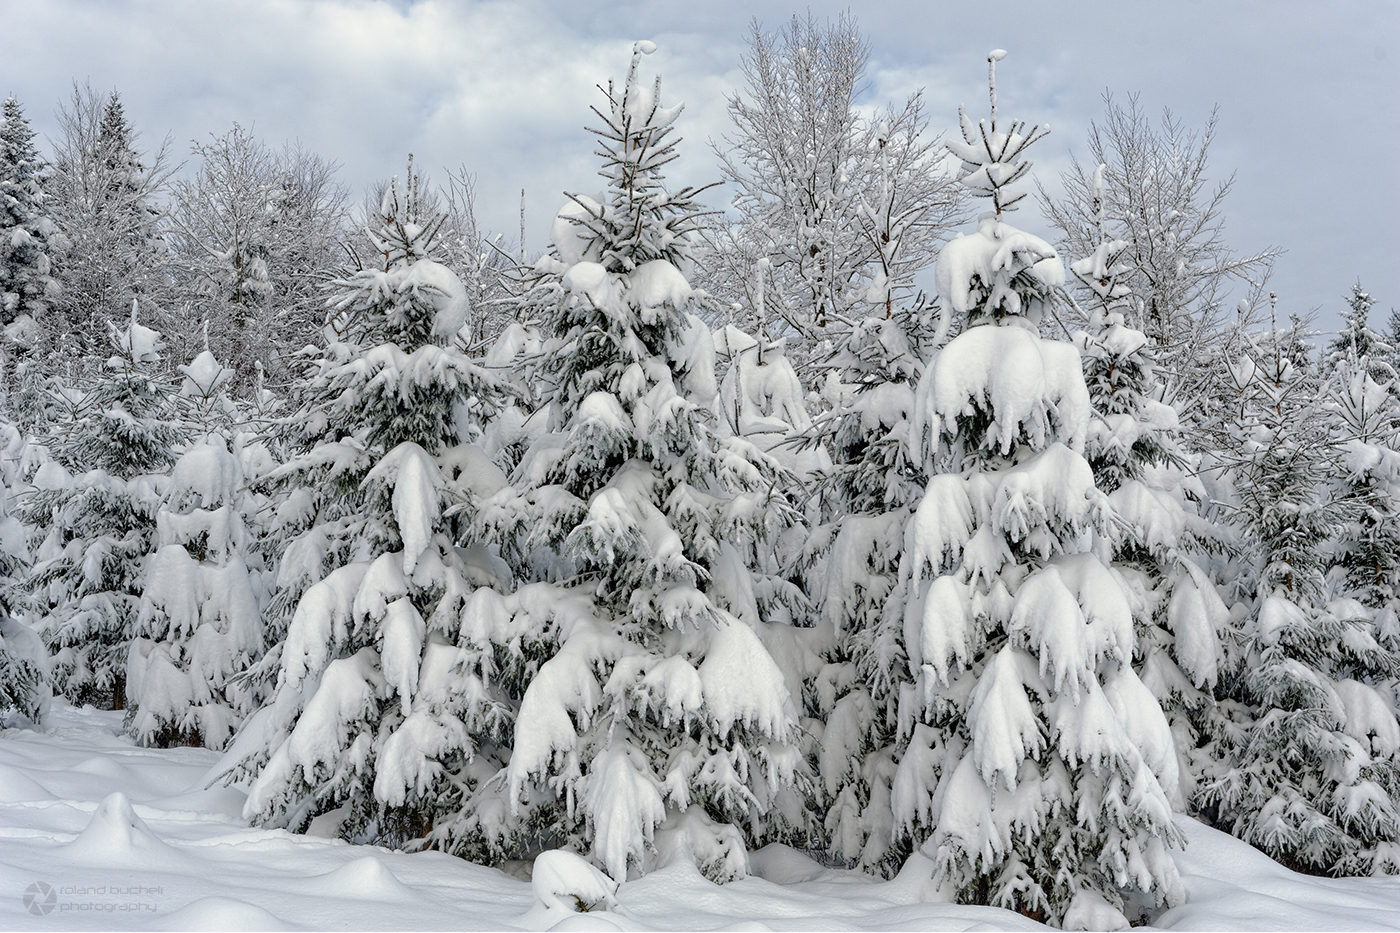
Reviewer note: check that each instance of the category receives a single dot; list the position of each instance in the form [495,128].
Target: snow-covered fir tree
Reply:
[1362,392]
[1037,764]
[865,500]
[760,401]
[1311,774]
[1134,448]
[26,230]
[199,622]
[1393,337]
[23,659]
[1366,427]
[94,509]
[1356,340]
[381,702]
[655,723]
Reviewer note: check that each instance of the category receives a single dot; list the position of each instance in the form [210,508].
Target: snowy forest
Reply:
[897,511]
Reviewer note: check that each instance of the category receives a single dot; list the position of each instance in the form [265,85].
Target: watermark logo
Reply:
[40,898]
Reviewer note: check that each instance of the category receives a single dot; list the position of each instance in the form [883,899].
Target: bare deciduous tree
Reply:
[1158,199]
[106,197]
[256,232]
[837,211]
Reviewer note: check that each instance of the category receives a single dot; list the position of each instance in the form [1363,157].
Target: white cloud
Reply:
[1308,110]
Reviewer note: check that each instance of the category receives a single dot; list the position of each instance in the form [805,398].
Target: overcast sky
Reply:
[1307,93]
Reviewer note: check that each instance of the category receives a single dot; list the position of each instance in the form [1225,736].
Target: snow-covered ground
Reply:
[96,833]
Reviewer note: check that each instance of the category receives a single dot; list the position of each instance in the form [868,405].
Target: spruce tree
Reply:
[27,232]
[198,627]
[23,660]
[104,197]
[1163,548]
[654,721]
[1356,340]
[1311,776]
[1365,419]
[865,500]
[94,507]
[381,702]
[1034,750]
[1362,400]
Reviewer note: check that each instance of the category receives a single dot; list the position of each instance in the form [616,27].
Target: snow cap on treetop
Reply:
[136,342]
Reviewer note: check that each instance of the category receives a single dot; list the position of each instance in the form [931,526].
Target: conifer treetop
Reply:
[998,274]
[1102,270]
[990,154]
[642,221]
[19,159]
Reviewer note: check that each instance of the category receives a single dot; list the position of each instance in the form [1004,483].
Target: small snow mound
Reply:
[116,835]
[223,913]
[365,879]
[101,766]
[586,922]
[18,787]
[1089,911]
[782,864]
[716,850]
[565,885]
